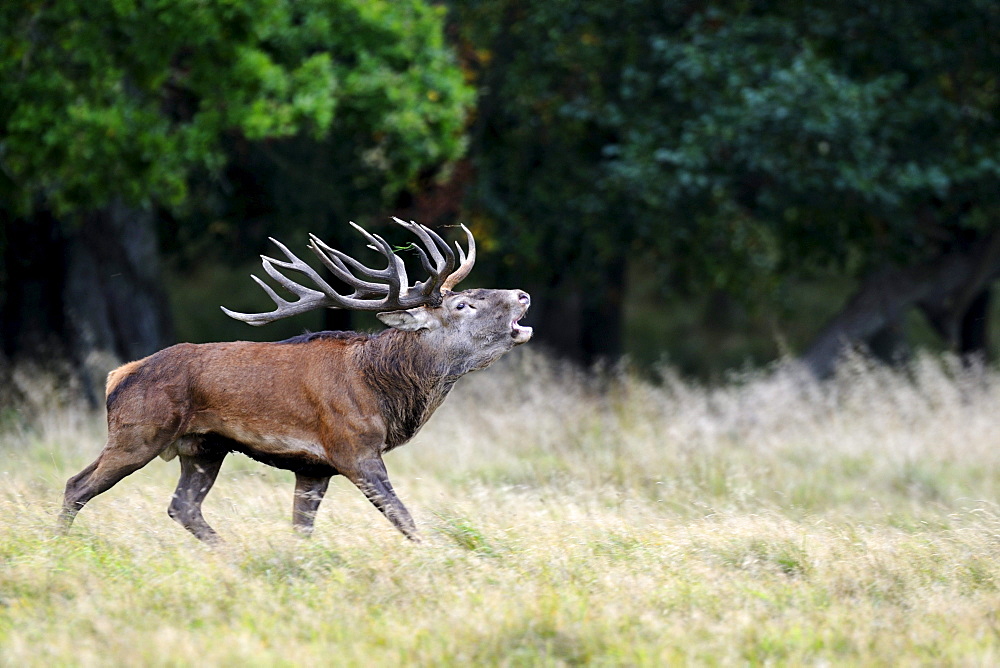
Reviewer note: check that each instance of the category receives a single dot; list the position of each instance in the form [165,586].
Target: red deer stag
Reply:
[319,404]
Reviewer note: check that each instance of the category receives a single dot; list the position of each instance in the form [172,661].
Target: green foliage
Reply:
[737,142]
[821,148]
[117,99]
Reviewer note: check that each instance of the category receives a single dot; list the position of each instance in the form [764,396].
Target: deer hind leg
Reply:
[128,450]
[198,474]
[309,493]
[371,478]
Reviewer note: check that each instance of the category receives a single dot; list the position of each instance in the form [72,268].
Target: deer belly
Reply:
[277,444]
[263,448]
[285,452]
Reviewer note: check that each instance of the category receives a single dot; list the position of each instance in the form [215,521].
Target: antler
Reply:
[385,289]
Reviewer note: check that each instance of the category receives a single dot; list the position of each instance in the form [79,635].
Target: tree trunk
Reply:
[33,275]
[974,327]
[945,288]
[87,294]
[116,309]
[889,344]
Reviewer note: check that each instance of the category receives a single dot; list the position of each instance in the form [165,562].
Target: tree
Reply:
[110,110]
[855,135]
[741,144]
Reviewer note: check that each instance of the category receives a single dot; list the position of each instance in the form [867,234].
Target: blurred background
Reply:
[711,185]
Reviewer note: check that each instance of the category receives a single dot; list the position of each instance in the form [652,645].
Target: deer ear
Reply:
[409,321]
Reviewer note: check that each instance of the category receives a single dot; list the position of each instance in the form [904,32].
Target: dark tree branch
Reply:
[945,287]
[946,312]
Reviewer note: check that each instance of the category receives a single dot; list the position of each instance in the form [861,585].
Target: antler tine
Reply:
[440,252]
[466,262]
[326,252]
[436,257]
[295,264]
[436,282]
[395,272]
[337,262]
[435,245]
[427,287]
[257,319]
[308,299]
[424,260]
[445,249]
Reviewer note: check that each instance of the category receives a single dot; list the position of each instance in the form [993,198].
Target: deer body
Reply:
[319,404]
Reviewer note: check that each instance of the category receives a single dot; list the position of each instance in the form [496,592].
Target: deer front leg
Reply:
[371,478]
[309,493]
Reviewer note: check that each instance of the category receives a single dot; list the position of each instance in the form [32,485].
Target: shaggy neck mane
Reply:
[410,380]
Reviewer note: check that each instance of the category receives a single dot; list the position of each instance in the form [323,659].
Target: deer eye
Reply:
[461,305]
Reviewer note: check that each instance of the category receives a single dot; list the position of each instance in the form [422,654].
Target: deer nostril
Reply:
[524,298]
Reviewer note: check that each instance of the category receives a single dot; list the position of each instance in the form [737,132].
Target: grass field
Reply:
[566,520]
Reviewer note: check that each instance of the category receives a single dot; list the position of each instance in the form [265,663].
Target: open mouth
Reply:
[519,332]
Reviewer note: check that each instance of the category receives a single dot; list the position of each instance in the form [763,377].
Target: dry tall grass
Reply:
[567,519]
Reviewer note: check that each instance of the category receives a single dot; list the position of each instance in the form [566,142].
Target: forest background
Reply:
[713,184]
